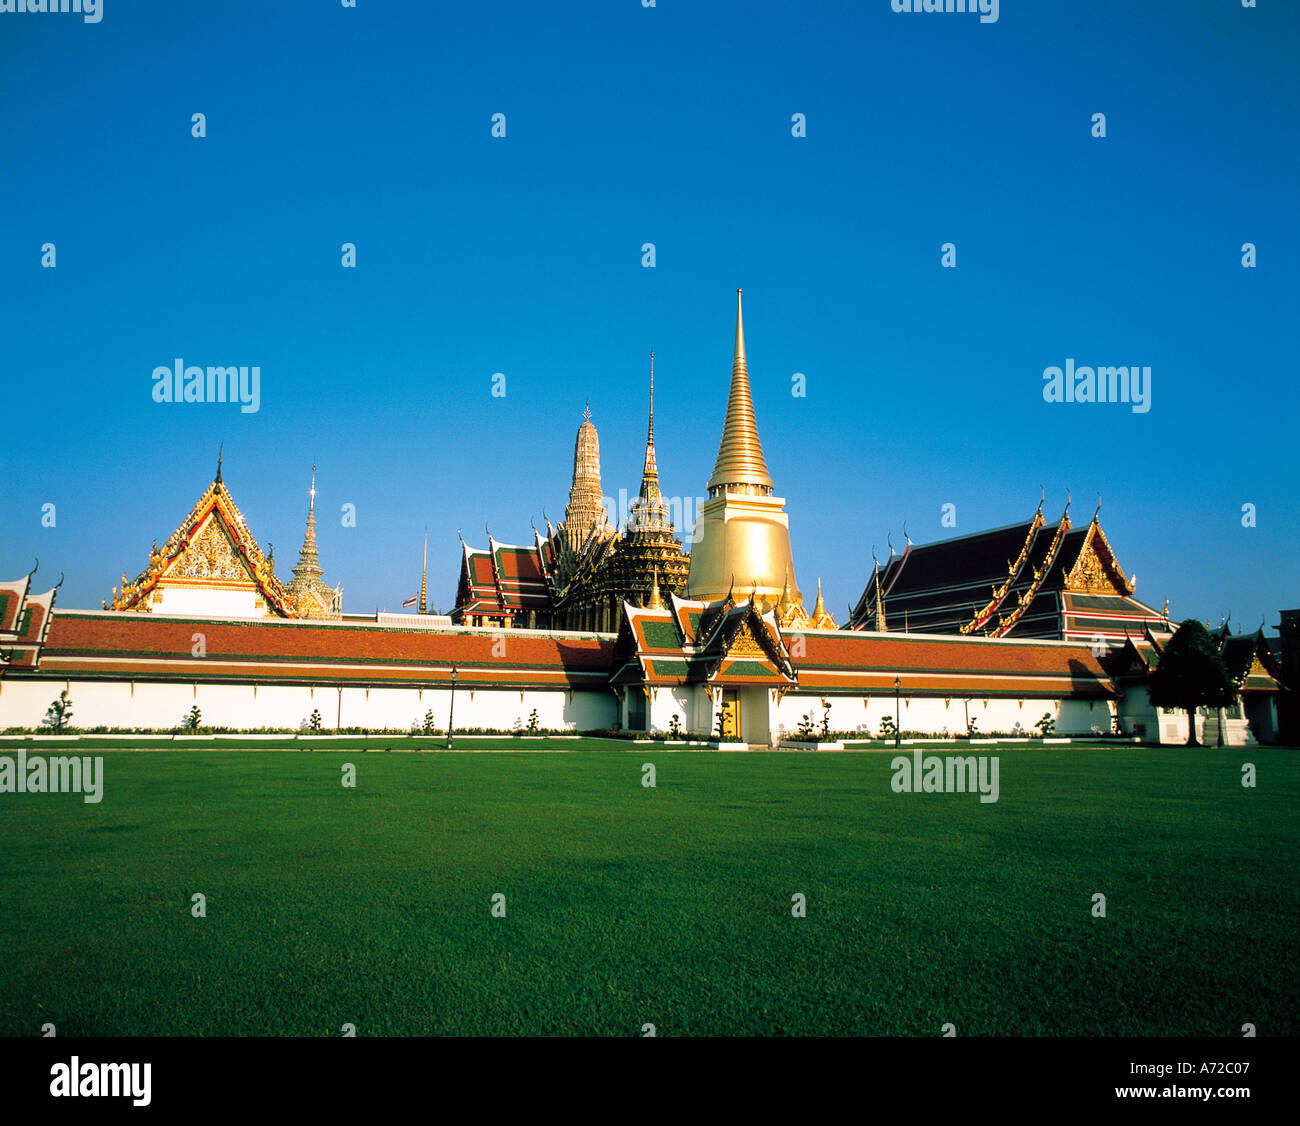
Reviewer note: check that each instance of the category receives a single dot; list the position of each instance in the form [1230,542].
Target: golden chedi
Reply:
[742,534]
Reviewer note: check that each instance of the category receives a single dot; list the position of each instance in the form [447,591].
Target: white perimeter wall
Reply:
[23,703]
[932,716]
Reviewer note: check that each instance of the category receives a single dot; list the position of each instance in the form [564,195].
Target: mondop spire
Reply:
[742,534]
[311,597]
[740,467]
[308,568]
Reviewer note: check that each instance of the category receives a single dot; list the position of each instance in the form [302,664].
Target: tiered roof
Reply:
[24,623]
[1033,579]
[506,579]
[1251,663]
[701,642]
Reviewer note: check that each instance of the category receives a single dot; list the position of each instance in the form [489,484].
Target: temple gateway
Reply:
[593,626]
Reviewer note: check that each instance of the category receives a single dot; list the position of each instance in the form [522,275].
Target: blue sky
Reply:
[522,255]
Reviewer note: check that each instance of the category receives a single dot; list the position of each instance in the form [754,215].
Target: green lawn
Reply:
[627,905]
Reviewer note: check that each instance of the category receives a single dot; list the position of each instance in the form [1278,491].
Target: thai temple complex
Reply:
[594,626]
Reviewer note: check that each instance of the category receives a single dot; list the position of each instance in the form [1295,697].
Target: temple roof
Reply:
[504,579]
[853,663]
[267,651]
[723,642]
[1250,661]
[24,622]
[1032,579]
[224,553]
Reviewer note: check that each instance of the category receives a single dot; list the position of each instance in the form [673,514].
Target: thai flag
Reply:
[412,601]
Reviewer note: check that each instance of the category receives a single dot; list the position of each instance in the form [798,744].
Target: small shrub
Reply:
[59,715]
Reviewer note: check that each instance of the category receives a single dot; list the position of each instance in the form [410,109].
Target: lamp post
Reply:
[898,735]
[451,711]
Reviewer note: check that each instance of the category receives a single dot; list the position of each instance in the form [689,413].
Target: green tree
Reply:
[59,715]
[194,720]
[1191,674]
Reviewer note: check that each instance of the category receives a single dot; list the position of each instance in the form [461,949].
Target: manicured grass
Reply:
[95,744]
[627,905]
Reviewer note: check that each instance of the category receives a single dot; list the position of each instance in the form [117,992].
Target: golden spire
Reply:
[648,509]
[740,461]
[820,618]
[651,469]
[424,573]
[654,602]
[308,569]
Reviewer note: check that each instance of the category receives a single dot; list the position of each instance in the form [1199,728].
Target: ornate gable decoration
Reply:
[1096,571]
[212,547]
[753,637]
[745,644]
[210,556]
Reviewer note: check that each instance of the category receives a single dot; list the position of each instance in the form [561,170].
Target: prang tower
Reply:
[742,534]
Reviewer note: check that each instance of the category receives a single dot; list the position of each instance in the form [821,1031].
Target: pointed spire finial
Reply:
[648,514]
[739,354]
[654,602]
[586,412]
[740,460]
[220,450]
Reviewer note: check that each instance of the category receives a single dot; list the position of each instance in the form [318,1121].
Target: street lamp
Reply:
[898,686]
[451,711]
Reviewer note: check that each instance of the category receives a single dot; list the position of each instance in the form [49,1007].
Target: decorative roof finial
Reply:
[654,602]
[220,450]
[586,412]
